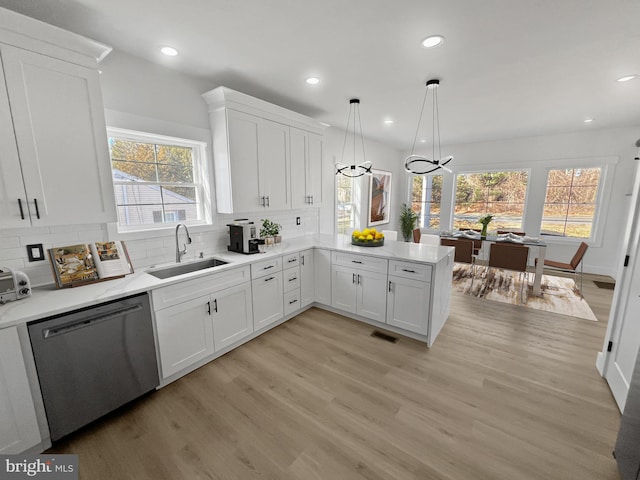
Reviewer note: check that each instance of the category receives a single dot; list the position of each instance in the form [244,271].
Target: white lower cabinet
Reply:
[408,304]
[185,335]
[322,276]
[307,283]
[268,304]
[198,317]
[18,423]
[359,291]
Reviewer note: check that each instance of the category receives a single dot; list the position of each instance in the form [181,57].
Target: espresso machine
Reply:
[242,236]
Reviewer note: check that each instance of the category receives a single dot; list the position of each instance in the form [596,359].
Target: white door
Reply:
[273,158]
[12,193]
[306,278]
[232,315]
[58,117]
[185,334]
[19,427]
[343,288]
[372,295]
[243,158]
[408,304]
[268,306]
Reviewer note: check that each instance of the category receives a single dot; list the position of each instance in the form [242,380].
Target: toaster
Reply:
[14,285]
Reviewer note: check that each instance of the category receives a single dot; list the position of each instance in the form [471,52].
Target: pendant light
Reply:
[354,169]
[420,164]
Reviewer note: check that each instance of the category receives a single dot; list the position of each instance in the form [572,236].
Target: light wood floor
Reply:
[506,392]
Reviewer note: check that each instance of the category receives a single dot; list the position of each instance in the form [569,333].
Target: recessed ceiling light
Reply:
[169,51]
[312,80]
[432,41]
[388,121]
[626,78]
[588,120]
[422,140]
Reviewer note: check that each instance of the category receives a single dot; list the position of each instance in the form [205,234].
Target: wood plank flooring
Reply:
[506,392]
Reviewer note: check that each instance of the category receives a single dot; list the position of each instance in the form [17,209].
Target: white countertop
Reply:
[48,301]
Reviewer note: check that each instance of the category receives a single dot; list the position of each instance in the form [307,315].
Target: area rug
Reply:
[559,294]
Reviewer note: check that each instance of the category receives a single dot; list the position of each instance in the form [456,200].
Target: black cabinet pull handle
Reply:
[302,259]
[353,278]
[356,261]
[209,308]
[292,302]
[21,210]
[293,279]
[408,271]
[267,268]
[215,305]
[35,202]
[293,260]
[268,279]
[389,285]
[358,279]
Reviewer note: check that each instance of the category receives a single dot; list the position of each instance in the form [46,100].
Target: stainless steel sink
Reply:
[182,268]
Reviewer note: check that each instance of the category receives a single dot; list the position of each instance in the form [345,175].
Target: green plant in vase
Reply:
[485,220]
[408,219]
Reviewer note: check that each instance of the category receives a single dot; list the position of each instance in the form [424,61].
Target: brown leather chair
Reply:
[463,253]
[572,266]
[510,256]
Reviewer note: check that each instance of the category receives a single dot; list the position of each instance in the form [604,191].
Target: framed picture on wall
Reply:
[379,197]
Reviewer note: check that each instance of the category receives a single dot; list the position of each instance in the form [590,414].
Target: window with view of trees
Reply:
[501,194]
[426,195]
[155,179]
[570,203]
[345,204]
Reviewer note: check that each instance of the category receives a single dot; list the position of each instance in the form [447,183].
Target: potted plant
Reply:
[485,220]
[408,219]
[270,231]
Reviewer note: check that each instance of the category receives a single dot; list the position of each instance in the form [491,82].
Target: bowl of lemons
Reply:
[369,237]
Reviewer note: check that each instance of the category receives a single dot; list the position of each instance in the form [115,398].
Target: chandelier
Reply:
[420,164]
[354,169]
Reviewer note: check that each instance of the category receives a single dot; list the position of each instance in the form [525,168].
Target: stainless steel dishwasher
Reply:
[94,360]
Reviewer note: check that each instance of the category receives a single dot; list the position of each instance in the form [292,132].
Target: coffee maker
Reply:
[242,236]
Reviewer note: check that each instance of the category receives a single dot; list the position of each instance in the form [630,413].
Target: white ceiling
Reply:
[508,68]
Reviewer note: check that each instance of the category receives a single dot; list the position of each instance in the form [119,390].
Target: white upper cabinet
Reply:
[265,157]
[306,168]
[54,158]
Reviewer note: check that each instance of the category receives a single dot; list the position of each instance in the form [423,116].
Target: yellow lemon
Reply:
[379,236]
[373,231]
[356,233]
[365,232]
[369,237]
[361,237]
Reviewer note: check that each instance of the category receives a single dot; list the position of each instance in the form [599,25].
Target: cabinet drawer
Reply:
[164,297]
[291,301]
[291,260]
[373,264]
[265,267]
[291,279]
[417,271]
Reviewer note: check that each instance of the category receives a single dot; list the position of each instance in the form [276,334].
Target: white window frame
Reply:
[410,195]
[201,177]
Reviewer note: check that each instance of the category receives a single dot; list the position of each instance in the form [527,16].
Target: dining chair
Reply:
[390,234]
[510,256]
[429,239]
[572,266]
[463,252]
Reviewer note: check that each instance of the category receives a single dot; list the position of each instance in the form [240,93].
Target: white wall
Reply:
[541,153]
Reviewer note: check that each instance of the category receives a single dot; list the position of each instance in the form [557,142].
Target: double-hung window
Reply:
[571,202]
[500,193]
[157,180]
[345,202]
[426,195]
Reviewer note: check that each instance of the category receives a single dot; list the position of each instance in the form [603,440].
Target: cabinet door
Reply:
[322,276]
[273,169]
[343,288]
[18,420]
[243,161]
[58,117]
[185,334]
[408,304]
[298,153]
[232,315]
[268,304]
[314,169]
[307,283]
[12,193]
[372,298]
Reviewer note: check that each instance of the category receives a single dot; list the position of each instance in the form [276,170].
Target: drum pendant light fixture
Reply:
[420,164]
[354,169]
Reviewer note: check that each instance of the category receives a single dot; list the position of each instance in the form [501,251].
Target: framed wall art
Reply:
[379,197]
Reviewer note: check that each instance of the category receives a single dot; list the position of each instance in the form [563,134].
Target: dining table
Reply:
[509,238]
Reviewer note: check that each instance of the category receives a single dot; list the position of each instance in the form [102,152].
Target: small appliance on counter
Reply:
[14,285]
[243,237]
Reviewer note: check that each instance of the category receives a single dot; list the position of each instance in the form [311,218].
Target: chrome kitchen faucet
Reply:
[179,252]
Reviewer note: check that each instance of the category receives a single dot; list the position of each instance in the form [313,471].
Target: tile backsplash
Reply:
[158,248]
